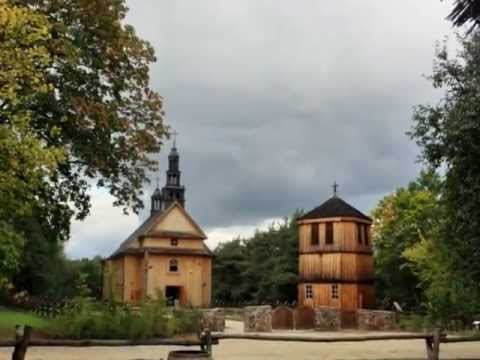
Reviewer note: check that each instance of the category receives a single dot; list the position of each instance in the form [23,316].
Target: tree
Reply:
[25,161]
[400,221]
[466,11]
[76,110]
[229,270]
[448,134]
[105,116]
[263,268]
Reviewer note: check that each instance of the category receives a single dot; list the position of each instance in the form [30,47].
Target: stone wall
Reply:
[214,319]
[376,320]
[327,319]
[257,319]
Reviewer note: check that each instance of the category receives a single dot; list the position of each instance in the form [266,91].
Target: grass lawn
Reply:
[9,318]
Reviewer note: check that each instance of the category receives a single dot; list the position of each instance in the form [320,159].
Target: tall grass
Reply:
[86,318]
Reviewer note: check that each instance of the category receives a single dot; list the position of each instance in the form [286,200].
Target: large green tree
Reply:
[100,107]
[25,160]
[262,268]
[448,134]
[76,110]
[401,220]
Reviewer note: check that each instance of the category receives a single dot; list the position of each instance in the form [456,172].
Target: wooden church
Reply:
[335,257]
[166,254]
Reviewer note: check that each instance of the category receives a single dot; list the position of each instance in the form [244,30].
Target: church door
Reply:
[172,293]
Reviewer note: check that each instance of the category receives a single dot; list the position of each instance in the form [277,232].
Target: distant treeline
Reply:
[260,269]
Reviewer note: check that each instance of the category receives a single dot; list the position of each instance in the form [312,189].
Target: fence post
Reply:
[433,345]
[22,338]
[206,339]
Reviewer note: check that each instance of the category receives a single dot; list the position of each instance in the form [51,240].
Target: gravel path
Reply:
[260,350]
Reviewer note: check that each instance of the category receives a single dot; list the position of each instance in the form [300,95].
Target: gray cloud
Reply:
[274,100]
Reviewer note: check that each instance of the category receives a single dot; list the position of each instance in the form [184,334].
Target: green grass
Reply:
[9,318]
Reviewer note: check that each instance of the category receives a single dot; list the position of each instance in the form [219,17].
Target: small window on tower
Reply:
[308,291]
[173,265]
[314,239]
[329,233]
[335,291]
[365,234]
[359,233]
[174,242]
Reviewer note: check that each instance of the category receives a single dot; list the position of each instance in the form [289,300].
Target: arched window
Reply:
[173,265]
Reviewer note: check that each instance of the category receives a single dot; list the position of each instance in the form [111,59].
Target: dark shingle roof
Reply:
[334,207]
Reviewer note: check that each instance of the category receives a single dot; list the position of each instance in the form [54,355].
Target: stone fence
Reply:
[264,319]
[376,320]
[214,319]
[257,318]
[327,319]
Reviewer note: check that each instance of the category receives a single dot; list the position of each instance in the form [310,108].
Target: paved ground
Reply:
[260,350]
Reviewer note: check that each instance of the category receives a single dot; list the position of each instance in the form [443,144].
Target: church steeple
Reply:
[173,190]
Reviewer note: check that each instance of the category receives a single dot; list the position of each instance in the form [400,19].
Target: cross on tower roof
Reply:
[174,134]
[335,187]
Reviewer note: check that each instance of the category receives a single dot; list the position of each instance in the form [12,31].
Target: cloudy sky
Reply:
[274,100]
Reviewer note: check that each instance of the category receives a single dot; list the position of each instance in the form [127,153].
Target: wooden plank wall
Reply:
[351,296]
[341,267]
[345,238]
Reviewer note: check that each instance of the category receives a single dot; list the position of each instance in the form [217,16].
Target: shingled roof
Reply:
[334,207]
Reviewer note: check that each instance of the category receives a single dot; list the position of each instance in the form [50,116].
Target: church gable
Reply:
[175,220]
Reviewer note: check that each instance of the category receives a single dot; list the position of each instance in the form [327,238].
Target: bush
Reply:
[86,318]
[413,322]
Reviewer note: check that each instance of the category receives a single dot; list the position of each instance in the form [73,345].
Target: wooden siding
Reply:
[336,266]
[351,296]
[175,220]
[345,238]
[132,289]
[127,278]
[166,242]
[346,264]
[193,276]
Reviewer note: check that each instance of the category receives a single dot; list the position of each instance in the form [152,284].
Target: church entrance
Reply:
[172,294]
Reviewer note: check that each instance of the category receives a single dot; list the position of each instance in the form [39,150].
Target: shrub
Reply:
[86,318]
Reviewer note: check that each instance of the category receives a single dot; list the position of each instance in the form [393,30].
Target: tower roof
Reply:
[334,207]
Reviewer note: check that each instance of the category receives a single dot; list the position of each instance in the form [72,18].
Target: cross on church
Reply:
[174,134]
[335,187]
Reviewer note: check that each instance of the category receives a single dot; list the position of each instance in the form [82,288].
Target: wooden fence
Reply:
[206,339]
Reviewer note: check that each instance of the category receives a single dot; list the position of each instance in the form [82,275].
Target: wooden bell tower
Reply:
[336,260]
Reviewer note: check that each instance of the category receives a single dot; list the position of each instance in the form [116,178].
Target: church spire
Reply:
[173,189]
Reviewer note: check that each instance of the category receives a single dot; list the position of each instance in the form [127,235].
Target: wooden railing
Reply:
[206,339]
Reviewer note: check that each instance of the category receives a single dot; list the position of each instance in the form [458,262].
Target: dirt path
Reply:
[260,350]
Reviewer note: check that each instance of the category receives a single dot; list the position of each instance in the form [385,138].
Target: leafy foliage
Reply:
[448,134]
[466,11]
[263,268]
[76,110]
[25,161]
[401,220]
[100,103]
[90,319]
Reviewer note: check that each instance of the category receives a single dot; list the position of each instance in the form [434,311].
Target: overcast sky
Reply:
[274,100]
